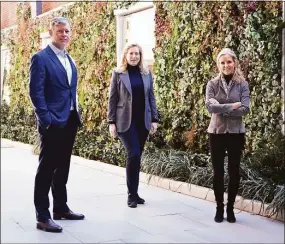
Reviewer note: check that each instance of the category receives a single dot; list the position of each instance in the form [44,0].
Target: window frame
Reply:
[121,25]
[5,61]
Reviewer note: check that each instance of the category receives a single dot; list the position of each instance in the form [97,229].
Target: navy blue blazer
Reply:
[50,91]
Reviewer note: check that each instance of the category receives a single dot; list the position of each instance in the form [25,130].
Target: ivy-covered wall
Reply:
[93,47]
[188,37]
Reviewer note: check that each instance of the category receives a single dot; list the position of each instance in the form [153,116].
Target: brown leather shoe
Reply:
[68,215]
[49,226]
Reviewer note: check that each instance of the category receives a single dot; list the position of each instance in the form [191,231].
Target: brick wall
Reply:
[9,10]
[48,5]
[8,14]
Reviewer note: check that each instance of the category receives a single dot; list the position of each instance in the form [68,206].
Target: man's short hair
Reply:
[59,20]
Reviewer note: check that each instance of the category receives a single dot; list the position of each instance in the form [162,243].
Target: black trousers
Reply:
[54,162]
[233,144]
[133,140]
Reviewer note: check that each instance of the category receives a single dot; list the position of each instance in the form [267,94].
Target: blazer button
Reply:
[130,99]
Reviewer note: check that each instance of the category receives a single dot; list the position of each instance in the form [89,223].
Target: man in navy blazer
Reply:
[53,83]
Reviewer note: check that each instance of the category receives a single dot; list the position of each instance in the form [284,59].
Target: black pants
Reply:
[54,162]
[133,140]
[219,144]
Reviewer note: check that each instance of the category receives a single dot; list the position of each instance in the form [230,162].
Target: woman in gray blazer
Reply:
[227,100]
[132,113]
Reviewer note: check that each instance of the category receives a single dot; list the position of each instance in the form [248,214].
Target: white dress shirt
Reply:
[62,56]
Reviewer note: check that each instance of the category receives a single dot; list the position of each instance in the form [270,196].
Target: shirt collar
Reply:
[58,51]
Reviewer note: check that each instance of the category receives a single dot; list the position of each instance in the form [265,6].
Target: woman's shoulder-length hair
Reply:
[122,67]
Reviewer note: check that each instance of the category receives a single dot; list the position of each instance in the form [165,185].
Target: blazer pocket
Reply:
[54,105]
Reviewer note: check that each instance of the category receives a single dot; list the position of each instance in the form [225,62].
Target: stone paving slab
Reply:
[98,190]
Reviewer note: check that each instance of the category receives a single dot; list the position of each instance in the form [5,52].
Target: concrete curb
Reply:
[254,207]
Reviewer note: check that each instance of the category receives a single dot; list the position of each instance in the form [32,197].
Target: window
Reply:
[136,25]
[140,29]
[5,68]
[45,38]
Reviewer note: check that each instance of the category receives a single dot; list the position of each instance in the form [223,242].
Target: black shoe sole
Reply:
[132,205]
[55,217]
[49,230]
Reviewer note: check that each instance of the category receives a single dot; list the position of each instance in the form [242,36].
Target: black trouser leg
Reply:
[217,150]
[133,140]
[60,176]
[47,163]
[234,148]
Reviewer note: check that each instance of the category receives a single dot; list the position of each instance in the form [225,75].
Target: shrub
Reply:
[196,169]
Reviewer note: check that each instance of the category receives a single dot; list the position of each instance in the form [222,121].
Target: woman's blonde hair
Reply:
[123,64]
[238,74]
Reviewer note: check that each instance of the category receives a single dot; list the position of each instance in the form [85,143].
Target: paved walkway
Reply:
[98,190]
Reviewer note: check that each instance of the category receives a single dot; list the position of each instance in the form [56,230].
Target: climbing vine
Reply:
[93,48]
[188,39]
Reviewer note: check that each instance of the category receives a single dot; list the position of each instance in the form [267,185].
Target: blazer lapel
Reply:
[126,80]
[55,59]
[74,72]
[222,86]
[145,83]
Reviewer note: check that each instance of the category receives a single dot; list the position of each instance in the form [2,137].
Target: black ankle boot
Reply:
[219,217]
[132,201]
[139,199]
[230,214]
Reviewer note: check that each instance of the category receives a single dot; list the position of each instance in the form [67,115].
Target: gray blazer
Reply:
[223,118]
[120,101]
